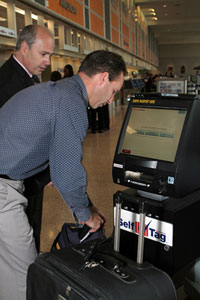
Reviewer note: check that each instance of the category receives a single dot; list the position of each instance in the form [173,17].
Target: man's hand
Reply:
[96,219]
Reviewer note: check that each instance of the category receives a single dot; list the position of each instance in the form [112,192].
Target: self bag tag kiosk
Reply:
[158,158]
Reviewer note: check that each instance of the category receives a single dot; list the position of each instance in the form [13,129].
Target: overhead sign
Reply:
[68,6]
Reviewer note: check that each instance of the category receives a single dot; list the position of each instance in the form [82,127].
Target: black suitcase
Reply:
[95,270]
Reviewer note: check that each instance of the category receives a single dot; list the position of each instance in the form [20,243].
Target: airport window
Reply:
[107,18]
[91,44]
[3,14]
[67,35]
[87,44]
[70,39]
[96,44]
[17,18]
[79,42]
[41,2]
[70,36]
[20,19]
[74,38]
[56,35]
[87,19]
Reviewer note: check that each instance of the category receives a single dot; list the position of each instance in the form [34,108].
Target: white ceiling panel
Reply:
[178,20]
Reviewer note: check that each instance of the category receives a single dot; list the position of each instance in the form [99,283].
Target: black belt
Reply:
[5,177]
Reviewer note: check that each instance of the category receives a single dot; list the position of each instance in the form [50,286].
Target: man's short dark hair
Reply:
[29,35]
[103,61]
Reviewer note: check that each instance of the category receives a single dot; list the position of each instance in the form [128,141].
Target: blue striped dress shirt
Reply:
[46,124]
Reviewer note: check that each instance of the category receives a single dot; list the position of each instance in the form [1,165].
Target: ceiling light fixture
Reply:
[3,4]
[152,18]
[148,9]
[34,17]
[3,19]
[19,11]
[150,14]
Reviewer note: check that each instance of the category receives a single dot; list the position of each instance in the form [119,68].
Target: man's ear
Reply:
[24,47]
[104,77]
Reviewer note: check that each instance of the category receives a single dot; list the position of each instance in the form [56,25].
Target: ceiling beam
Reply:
[178,42]
[140,2]
[174,21]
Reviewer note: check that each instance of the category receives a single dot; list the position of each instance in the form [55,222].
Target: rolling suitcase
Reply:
[95,270]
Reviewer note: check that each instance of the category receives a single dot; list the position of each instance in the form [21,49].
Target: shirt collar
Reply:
[81,83]
[29,74]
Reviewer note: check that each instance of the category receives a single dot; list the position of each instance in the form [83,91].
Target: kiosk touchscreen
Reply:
[158,150]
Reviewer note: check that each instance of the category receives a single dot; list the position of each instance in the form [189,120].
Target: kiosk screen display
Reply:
[153,133]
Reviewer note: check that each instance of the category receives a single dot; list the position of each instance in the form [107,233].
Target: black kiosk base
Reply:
[171,230]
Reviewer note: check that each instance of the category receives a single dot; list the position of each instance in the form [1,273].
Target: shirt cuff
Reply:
[83,214]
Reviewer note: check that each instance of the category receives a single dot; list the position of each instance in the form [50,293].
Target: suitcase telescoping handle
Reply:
[140,248]
[118,207]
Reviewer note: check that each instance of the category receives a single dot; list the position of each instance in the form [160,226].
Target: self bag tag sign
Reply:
[156,230]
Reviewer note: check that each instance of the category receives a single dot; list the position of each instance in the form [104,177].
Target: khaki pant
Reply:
[17,245]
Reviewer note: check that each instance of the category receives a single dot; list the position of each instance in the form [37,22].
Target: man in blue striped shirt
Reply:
[46,125]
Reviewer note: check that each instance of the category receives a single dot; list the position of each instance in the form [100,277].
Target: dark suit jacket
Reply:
[13,78]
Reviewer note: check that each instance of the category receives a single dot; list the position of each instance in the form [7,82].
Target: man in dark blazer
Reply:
[13,78]
[34,46]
